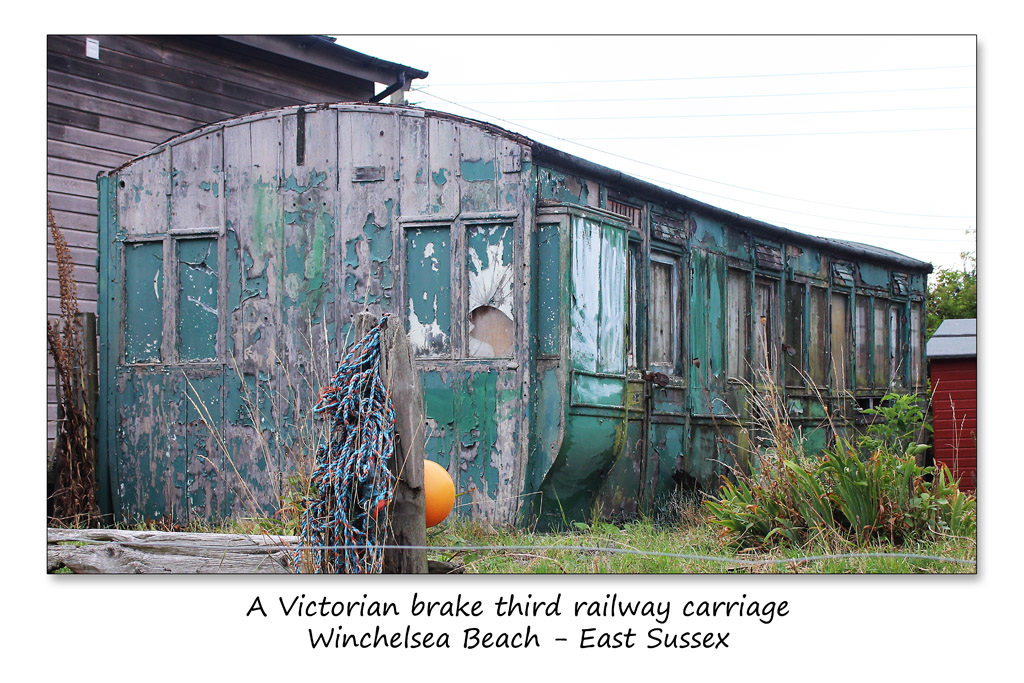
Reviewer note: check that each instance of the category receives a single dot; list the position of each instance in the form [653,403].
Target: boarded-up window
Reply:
[793,341]
[737,331]
[490,276]
[428,285]
[764,361]
[817,323]
[549,289]
[198,283]
[880,346]
[143,308]
[862,340]
[663,313]
[915,343]
[840,341]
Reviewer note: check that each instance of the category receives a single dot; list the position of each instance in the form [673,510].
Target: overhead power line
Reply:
[710,180]
[743,114]
[713,97]
[701,78]
[763,135]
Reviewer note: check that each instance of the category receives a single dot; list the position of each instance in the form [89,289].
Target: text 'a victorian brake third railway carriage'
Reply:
[587,342]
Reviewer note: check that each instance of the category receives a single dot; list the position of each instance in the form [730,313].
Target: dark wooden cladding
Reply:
[142,91]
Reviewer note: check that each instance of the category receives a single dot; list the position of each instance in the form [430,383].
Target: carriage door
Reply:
[662,374]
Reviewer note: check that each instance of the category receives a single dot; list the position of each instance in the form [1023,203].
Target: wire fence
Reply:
[759,562]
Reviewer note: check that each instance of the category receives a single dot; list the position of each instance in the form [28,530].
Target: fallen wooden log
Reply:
[117,551]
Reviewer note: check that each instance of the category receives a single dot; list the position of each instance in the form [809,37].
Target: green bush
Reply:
[864,490]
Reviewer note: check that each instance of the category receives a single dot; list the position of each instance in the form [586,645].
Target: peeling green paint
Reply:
[198,290]
[477,171]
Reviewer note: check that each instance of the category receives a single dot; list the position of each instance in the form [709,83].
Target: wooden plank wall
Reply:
[142,91]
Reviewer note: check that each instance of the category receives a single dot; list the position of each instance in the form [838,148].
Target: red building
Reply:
[953,364]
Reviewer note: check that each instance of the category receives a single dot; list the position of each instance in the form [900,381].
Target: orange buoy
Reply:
[439,490]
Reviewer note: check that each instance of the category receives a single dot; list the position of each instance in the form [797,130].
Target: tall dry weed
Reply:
[73,501]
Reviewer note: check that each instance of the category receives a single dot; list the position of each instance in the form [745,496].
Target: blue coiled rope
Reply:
[352,485]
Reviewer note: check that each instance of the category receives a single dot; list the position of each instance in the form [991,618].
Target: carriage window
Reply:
[862,340]
[490,275]
[840,340]
[664,295]
[612,339]
[598,294]
[428,261]
[198,285]
[896,344]
[737,332]
[764,311]
[633,333]
[143,307]
[880,348]
[915,343]
[817,322]
[793,342]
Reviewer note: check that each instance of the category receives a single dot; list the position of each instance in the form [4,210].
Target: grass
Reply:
[692,535]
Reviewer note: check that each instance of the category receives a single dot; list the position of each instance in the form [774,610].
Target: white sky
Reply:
[863,138]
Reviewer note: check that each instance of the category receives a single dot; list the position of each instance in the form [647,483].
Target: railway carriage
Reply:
[587,342]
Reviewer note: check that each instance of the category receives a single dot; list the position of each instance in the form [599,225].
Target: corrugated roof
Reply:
[954,339]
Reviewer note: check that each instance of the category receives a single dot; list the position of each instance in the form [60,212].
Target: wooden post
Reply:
[407,512]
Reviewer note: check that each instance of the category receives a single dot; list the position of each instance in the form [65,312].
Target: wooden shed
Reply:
[587,342]
[110,98]
[953,366]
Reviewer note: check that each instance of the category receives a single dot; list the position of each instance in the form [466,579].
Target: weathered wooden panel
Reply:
[477,172]
[414,166]
[142,195]
[151,448]
[197,166]
[310,265]
[443,166]
[205,463]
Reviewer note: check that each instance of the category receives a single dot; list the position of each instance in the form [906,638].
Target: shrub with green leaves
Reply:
[863,490]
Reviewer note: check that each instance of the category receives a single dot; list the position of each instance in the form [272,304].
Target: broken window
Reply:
[840,340]
[428,288]
[793,341]
[862,341]
[143,301]
[817,322]
[764,362]
[664,295]
[737,332]
[489,272]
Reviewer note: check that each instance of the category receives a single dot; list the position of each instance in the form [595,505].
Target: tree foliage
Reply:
[953,293]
